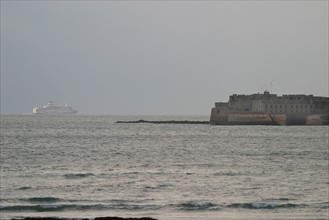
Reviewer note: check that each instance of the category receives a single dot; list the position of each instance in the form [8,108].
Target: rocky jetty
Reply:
[164,122]
[97,218]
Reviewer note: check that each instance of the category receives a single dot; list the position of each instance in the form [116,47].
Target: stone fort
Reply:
[287,109]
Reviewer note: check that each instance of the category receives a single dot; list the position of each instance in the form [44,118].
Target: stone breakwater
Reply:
[97,218]
[165,122]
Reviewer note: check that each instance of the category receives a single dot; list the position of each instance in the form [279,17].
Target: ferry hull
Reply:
[54,113]
[51,109]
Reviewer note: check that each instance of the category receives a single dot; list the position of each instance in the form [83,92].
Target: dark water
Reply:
[88,166]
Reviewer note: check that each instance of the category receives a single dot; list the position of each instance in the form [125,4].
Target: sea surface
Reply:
[86,166]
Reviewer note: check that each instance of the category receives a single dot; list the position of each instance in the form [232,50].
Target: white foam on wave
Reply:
[262,205]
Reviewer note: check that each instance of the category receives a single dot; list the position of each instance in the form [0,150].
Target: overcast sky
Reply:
[158,57]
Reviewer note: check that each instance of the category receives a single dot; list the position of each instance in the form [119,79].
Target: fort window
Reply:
[218,111]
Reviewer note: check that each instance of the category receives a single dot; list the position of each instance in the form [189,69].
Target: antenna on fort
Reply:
[272,85]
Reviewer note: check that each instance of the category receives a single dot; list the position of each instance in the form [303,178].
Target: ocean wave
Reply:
[262,205]
[42,199]
[33,200]
[228,174]
[24,188]
[158,187]
[75,207]
[78,175]
[122,205]
[35,208]
[198,206]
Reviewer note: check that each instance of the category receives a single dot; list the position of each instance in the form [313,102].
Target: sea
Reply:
[87,166]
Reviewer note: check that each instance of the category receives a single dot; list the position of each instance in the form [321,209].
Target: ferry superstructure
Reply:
[51,108]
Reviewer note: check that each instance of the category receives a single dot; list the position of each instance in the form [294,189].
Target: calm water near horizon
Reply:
[85,166]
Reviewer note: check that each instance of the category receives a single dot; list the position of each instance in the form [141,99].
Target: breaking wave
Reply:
[48,204]
[74,207]
[42,200]
[261,205]
[198,205]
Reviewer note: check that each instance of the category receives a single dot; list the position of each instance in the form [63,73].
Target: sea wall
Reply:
[322,119]
[296,119]
[221,117]
[217,118]
[219,114]
[257,118]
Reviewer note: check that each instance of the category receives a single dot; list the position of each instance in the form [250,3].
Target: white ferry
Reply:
[51,108]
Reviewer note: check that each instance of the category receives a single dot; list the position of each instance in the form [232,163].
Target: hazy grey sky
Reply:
[144,57]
